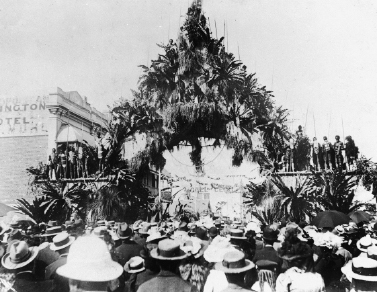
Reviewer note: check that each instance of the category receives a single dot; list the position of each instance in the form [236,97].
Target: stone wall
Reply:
[19,153]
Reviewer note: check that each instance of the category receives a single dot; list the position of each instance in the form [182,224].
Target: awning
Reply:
[72,134]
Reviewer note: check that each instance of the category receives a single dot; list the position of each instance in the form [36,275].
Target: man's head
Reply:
[315,139]
[337,137]
[53,150]
[324,138]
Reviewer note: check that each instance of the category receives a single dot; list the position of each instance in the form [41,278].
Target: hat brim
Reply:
[270,238]
[154,254]
[364,278]
[5,261]
[52,234]
[144,232]
[360,248]
[249,266]
[127,269]
[55,248]
[238,237]
[89,272]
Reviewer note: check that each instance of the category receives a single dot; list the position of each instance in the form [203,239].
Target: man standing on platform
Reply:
[338,147]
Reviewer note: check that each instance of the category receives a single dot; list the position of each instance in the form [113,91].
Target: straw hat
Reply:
[20,255]
[364,243]
[52,231]
[124,231]
[89,260]
[364,269]
[60,241]
[234,262]
[134,265]
[168,250]
[237,234]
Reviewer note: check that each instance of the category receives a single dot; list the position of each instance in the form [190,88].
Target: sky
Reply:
[318,57]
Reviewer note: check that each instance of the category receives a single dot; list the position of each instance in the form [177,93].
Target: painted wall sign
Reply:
[23,117]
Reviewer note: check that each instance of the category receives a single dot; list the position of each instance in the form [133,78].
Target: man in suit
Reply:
[129,248]
[268,252]
[46,256]
[20,261]
[168,255]
[235,267]
[61,244]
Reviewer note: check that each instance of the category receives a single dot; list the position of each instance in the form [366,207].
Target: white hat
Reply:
[364,243]
[60,241]
[89,260]
[134,265]
[20,255]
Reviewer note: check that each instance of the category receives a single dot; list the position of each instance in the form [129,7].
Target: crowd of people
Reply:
[208,255]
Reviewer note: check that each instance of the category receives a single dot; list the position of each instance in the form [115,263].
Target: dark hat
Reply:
[124,231]
[270,234]
[213,232]
[234,262]
[169,250]
[201,233]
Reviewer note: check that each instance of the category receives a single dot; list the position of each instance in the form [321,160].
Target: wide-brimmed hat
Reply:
[364,269]
[145,228]
[364,243]
[168,250]
[234,262]
[270,234]
[89,260]
[135,265]
[60,241]
[20,255]
[237,234]
[52,231]
[124,231]
[69,223]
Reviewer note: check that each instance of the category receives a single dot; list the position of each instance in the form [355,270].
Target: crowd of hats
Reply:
[216,240]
